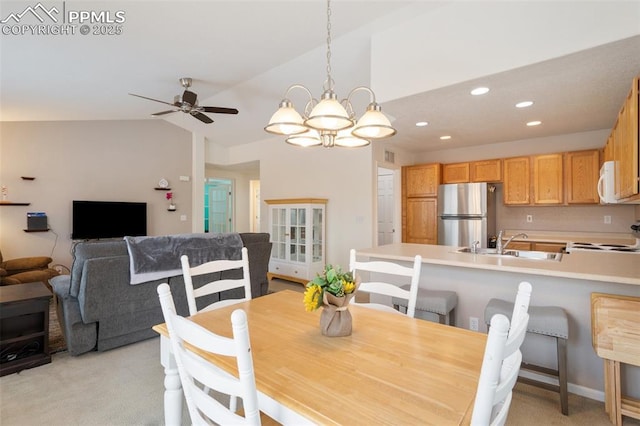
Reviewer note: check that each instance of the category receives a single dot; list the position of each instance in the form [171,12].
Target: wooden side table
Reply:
[614,329]
[24,327]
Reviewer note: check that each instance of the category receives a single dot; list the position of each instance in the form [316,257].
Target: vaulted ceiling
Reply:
[420,59]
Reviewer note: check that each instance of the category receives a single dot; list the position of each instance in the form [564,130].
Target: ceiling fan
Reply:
[188,103]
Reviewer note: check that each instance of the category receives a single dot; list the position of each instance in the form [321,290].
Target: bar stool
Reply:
[439,302]
[549,321]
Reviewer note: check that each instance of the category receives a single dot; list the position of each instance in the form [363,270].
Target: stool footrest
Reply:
[540,369]
[543,385]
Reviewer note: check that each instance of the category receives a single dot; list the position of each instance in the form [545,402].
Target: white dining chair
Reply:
[409,294]
[502,361]
[198,375]
[500,368]
[217,286]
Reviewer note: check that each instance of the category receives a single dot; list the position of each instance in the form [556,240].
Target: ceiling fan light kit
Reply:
[188,103]
[329,122]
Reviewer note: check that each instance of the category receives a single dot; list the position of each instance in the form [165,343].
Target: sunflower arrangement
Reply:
[333,281]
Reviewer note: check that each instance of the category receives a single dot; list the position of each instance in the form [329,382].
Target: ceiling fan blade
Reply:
[151,99]
[164,112]
[200,116]
[220,110]
[189,97]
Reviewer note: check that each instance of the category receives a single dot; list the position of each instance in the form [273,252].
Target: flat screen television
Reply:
[108,219]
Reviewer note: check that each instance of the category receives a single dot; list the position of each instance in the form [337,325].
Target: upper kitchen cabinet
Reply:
[486,171]
[547,179]
[422,180]
[581,176]
[624,137]
[455,173]
[516,181]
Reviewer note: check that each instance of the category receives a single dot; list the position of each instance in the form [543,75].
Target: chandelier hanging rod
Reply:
[329,122]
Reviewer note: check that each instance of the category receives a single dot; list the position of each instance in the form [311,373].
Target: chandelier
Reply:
[329,122]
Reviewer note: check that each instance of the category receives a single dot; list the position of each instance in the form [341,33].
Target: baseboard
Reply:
[583,391]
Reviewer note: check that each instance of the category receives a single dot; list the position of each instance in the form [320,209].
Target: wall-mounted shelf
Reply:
[27,177]
[162,189]
[36,230]
[9,203]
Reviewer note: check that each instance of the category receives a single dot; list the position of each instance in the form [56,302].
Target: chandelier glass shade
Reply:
[329,122]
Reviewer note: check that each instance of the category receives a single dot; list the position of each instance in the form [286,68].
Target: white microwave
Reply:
[606,183]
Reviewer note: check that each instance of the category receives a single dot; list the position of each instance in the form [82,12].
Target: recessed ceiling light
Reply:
[534,123]
[445,138]
[480,91]
[422,123]
[524,104]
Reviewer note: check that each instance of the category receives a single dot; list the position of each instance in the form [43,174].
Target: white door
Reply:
[220,206]
[254,208]
[385,206]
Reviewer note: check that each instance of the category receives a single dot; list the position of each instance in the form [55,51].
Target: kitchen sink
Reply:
[524,254]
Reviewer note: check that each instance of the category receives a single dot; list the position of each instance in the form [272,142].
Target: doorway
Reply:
[386,206]
[218,206]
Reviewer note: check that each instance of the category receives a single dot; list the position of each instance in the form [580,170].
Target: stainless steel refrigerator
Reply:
[466,213]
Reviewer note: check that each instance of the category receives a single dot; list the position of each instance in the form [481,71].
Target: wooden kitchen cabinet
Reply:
[625,148]
[549,247]
[486,171]
[421,221]
[516,181]
[607,152]
[421,180]
[517,245]
[455,173]
[419,203]
[582,170]
[547,179]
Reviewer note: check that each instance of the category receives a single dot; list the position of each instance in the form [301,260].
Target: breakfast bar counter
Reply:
[567,283]
[622,268]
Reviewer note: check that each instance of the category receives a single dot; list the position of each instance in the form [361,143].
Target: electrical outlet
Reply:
[473,323]
[529,218]
[183,217]
[607,219]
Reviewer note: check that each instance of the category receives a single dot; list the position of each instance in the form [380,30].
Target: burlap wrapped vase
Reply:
[335,319]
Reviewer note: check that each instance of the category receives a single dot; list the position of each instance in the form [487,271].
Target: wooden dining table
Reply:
[392,369]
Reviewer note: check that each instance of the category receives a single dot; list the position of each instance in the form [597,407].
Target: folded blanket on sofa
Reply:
[154,258]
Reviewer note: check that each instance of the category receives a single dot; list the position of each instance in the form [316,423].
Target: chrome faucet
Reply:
[500,248]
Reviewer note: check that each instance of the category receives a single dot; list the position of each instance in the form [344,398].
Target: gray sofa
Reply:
[99,309]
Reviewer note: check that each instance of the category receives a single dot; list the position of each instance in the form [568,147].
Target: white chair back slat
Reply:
[501,363]
[217,286]
[198,375]
[388,289]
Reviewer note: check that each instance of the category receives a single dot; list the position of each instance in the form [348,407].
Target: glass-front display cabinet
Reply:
[297,228]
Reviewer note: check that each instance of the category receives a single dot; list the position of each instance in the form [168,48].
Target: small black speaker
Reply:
[37,221]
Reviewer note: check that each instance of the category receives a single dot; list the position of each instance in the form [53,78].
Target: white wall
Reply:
[476,42]
[343,176]
[89,160]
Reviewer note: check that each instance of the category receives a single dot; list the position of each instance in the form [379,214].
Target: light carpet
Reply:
[125,386]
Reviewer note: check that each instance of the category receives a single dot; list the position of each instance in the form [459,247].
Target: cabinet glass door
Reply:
[297,234]
[278,233]
[316,245]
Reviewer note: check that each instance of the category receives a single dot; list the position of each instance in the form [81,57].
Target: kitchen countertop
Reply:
[623,268]
[564,237]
